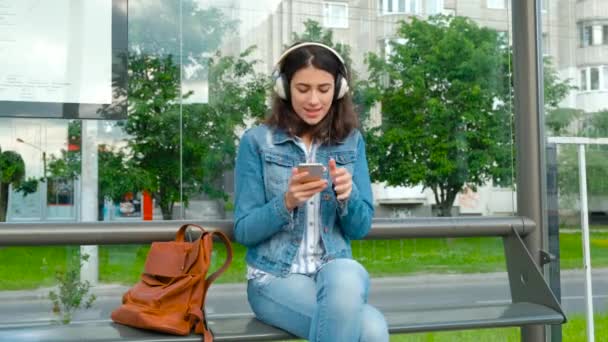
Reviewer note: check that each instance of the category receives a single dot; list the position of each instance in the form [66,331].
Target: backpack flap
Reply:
[170,259]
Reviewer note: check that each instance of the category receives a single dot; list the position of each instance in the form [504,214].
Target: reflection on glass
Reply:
[199,75]
[581,111]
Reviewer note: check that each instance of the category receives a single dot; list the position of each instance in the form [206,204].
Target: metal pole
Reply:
[529,134]
[88,206]
[582,172]
[553,230]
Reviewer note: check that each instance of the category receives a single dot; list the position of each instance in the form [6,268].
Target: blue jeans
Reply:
[329,307]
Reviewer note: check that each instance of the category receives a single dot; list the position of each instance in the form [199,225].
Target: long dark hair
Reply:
[341,118]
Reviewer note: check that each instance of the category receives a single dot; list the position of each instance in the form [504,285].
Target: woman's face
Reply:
[312,92]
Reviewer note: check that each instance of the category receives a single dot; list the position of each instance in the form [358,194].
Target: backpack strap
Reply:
[227,263]
[198,317]
[201,326]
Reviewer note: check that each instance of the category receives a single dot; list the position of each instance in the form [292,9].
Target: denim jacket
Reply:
[271,233]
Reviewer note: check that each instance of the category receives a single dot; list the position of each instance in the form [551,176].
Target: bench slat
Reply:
[246,328]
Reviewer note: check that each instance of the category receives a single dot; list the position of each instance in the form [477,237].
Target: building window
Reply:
[585,35]
[583,85]
[401,6]
[595,78]
[545,44]
[605,34]
[335,14]
[496,4]
[588,35]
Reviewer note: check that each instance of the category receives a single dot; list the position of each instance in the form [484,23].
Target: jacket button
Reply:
[326,229]
[326,197]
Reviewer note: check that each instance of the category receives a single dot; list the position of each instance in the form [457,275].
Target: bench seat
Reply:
[247,328]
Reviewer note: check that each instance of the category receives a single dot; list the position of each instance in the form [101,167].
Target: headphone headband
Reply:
[297,46]
[281,86]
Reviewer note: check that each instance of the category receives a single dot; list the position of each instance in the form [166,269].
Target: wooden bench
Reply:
[532,303]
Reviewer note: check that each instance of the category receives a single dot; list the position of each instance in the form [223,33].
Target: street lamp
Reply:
[43,156]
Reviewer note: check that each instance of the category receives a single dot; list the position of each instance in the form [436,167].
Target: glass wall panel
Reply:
[576,106]
[432,92]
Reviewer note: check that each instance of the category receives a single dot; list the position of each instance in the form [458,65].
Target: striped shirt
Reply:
[308,258]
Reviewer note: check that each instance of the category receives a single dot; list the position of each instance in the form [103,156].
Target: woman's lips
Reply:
[313,112]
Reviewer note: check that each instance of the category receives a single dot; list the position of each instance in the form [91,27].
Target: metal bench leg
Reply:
[525,279]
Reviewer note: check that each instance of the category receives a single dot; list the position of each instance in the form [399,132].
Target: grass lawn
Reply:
[572,331]
[31,267]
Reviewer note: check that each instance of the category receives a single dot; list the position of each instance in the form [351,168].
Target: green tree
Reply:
[557,119]
[446,118]
[179,149]
[158,125]
[118,173]
[174,27]
[12,171]
[443,125]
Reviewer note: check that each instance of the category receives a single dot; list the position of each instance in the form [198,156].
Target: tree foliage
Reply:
[443,122]
[177,28]
[12,171]
[594,125]
[186,148]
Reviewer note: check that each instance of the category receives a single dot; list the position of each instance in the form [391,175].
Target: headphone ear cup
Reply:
[279,87]
[342,87]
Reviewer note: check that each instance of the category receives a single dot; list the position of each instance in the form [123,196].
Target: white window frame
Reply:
[496,4]
[585,74]
[411,7]
[330,19]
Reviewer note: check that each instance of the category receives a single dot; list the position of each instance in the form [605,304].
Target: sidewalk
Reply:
[117,290]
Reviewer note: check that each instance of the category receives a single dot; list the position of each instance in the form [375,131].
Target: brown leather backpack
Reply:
[170,297]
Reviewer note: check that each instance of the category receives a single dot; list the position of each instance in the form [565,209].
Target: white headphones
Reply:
[281,84]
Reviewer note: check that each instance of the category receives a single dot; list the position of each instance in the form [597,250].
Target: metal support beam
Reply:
[529,133]
[103,233]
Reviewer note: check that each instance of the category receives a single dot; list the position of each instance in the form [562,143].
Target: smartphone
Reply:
[315,171]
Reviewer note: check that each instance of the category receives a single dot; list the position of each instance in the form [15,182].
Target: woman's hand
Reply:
[342,180]
[299,192]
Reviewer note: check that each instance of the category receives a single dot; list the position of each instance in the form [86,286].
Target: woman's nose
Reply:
[314,97]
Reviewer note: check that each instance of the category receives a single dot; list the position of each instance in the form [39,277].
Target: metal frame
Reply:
[525,278]
[97,233]
[529,129]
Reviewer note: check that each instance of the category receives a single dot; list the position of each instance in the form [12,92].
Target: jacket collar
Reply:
[279,136]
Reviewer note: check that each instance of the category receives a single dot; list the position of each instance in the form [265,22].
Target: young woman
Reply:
[301,275]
